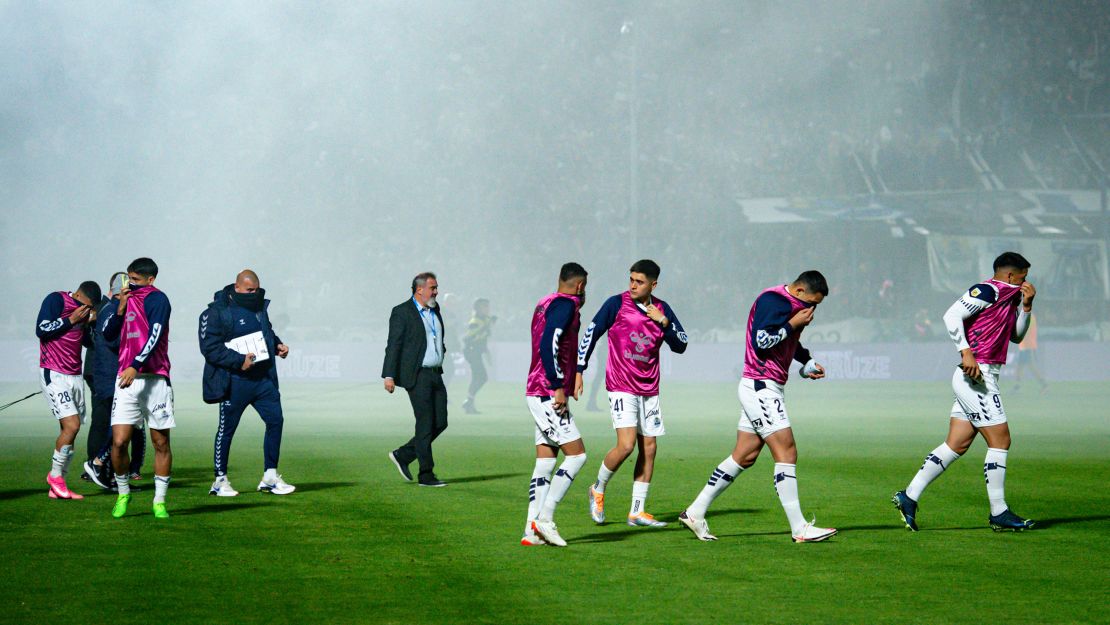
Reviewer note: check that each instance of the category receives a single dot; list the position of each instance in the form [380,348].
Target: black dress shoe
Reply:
[433,483]
[403,468]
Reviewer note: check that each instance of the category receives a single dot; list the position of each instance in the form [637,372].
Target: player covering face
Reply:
[551,379]
[143,393]
[982,323]
[638,324]
[62,329]
[775,325]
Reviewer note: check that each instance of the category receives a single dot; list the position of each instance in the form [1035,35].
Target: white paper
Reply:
[253,343]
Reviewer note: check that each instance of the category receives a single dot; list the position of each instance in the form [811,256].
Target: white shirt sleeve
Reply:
[962,310]
[1021,326]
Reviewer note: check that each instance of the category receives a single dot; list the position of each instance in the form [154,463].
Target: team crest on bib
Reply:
[975,292]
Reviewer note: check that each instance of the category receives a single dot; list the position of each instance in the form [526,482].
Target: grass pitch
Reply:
[355,544]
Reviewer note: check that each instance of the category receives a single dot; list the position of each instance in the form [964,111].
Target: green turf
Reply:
[356,544]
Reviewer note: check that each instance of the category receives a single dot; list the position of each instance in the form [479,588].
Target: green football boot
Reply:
[120,508]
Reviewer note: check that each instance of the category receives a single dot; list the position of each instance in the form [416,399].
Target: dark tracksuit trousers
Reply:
[263,395]
[429,405]
[478,375]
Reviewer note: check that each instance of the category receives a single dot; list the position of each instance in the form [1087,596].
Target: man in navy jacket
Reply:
[235,380]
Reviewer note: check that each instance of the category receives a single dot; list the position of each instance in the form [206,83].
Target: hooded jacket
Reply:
[216,327]
[102,361]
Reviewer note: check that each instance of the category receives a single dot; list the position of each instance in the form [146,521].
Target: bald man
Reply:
[237,375]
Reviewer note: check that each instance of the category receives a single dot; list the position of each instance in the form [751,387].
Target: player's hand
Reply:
[282,350]
[127,377]
[802,318]
[577,385]
[389,384]
[80,314]
[970,366]
[559,403]
[124,295]
[817,372]
[248,361]
[656,315]
[1028,292]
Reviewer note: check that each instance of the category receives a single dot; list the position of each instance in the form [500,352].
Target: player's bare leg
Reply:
[68,427]
[645,459]
[960,435]
[574,457]
[744,454]
[785,453]
[626,442]
[645,466]
[163,466]
[121,440]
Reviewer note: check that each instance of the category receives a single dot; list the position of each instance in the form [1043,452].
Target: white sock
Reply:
[935,464]
[68,451]
[271,475]
[161,485]
[994,472]
[537,490]
[59,461]
[639,497]
[786,483]
[560,485]
[122,486]
[719,480]
[603,476]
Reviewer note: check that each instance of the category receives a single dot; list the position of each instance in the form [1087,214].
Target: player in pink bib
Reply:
[638,325]
[551,379]
[982,323]
[143,397]
[63,328]
[775,325]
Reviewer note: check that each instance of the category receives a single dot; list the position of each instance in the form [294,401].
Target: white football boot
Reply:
[548,531]
[698,526]
[812,534]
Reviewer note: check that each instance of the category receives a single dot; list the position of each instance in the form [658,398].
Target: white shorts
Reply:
[762,407]
[978,402]
[65,394]
[636,411]
[148,400]
[551,428]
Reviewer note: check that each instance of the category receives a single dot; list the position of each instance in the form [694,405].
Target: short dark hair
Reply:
[421,278]
[647,267]
[144,266]
[570,271]
[813,282]
[122,276]
[91,290]
[1011,259]
[481,300]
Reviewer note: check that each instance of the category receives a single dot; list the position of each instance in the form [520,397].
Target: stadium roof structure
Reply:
[1018,213]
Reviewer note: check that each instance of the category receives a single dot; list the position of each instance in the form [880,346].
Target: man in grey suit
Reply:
[414,361]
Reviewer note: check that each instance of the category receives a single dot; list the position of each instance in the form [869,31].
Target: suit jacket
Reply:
[408,341]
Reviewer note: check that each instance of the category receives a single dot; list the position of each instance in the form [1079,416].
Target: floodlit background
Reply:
[340,148]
